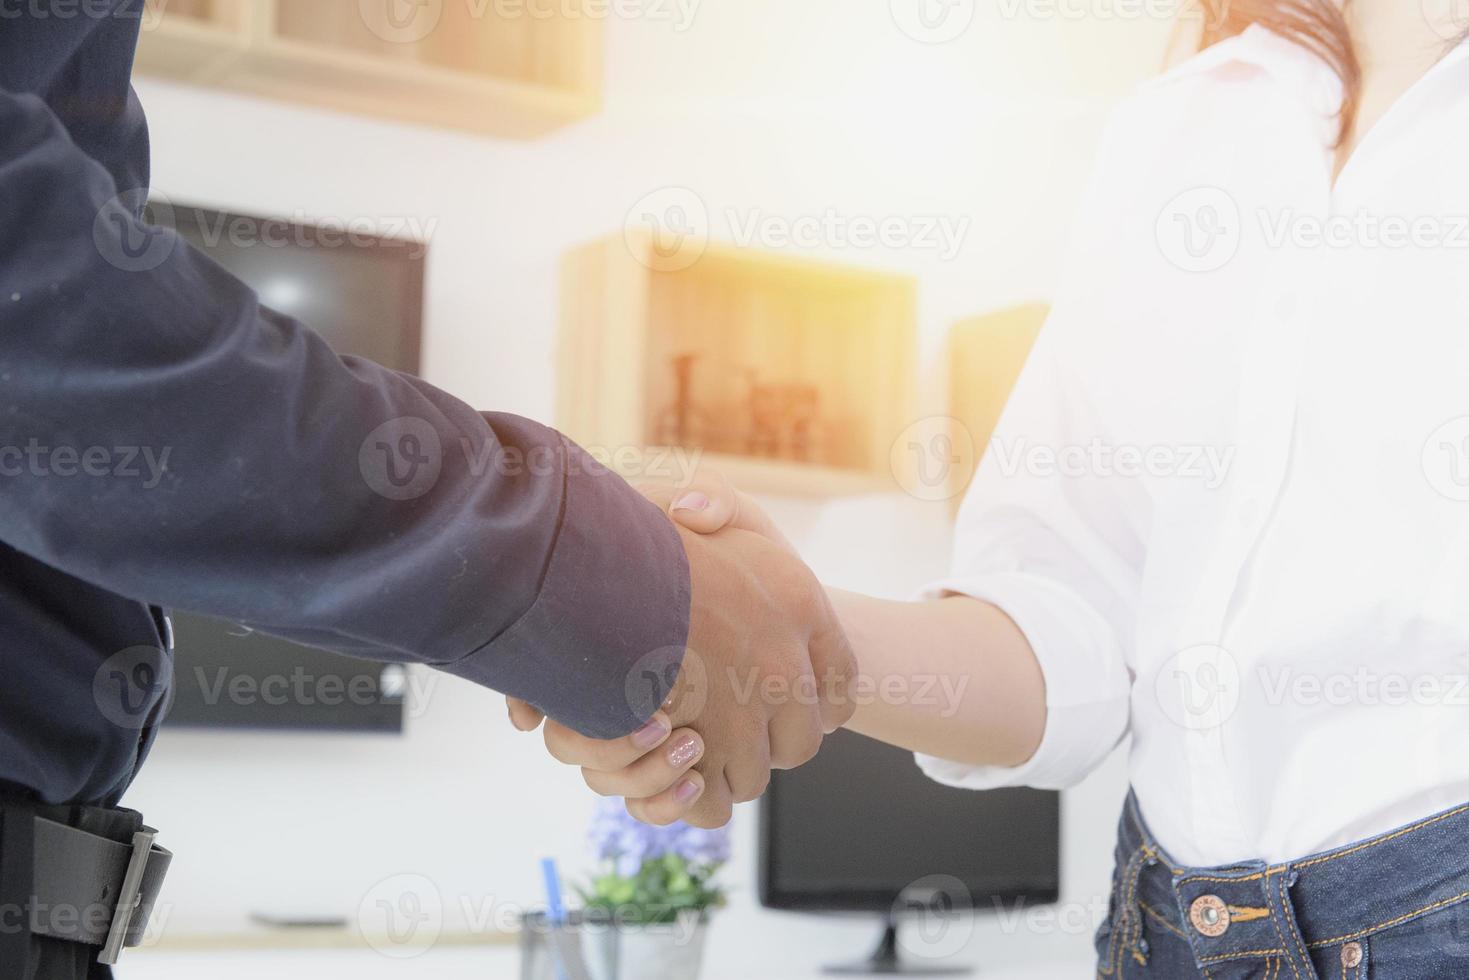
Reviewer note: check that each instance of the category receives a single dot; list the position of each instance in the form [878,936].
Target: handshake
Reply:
[765,678]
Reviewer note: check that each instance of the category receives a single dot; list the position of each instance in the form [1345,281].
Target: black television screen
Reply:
[364,294]
[858,827]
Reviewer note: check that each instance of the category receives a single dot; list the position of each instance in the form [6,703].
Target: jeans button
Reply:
[1209,915]
[1351,956]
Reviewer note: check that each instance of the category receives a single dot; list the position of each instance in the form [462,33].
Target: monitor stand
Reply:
[885,961]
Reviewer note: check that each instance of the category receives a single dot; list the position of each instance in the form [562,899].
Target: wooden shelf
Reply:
[791,376]
[509,76]
[984,357]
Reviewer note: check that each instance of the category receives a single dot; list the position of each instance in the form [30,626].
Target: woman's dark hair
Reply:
[1317,25]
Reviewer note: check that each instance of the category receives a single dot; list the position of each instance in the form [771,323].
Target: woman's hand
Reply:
[653,769]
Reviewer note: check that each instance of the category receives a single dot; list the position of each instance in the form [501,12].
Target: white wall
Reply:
[793,108]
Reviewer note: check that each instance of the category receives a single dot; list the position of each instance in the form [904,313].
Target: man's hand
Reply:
[764,679]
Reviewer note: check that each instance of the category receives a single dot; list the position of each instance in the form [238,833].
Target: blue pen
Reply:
[555,912]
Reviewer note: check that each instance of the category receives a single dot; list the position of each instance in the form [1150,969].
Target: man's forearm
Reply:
[266,480]
[953,678]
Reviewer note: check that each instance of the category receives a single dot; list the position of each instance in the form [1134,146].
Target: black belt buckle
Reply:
[130,898]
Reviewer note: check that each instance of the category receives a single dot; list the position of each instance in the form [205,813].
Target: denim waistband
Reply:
[1286,911]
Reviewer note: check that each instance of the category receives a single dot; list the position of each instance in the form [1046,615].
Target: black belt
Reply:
[83,888]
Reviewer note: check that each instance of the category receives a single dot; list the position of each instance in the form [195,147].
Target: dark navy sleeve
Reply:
[165,437]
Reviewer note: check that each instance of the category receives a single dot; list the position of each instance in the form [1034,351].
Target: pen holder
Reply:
[575,950]
[602,949]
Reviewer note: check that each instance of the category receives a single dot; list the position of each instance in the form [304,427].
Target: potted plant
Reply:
[654,891]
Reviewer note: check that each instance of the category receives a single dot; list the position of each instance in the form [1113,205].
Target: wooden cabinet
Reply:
[791,376]
[984,357]
[510,69]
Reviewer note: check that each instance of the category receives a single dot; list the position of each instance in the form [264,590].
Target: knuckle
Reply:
[557,746]
[596,782]
[753,786]
[654,814]
[805,750]
[843,712]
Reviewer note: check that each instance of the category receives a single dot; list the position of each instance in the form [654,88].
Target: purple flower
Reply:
[617,837]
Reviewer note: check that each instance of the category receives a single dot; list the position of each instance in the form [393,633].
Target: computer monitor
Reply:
[363,293]
[861,829]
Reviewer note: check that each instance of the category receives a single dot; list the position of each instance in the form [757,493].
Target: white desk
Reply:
[462,964]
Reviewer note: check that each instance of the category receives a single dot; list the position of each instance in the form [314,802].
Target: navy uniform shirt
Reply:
[167,441]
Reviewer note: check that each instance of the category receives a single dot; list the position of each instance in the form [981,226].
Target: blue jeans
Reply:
[1395,907]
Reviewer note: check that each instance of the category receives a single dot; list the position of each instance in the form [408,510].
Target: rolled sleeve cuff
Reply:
[1087,685]
[603,643]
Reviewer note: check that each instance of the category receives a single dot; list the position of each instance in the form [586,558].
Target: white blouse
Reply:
[1228,503]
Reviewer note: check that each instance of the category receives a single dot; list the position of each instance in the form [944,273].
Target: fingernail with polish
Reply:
[687,791]
[651,735]
[692,501]
[685,752]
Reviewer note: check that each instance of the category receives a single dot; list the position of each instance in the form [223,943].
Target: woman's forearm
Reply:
[953,678]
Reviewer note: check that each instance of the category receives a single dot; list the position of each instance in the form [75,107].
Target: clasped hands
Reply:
[765,678]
